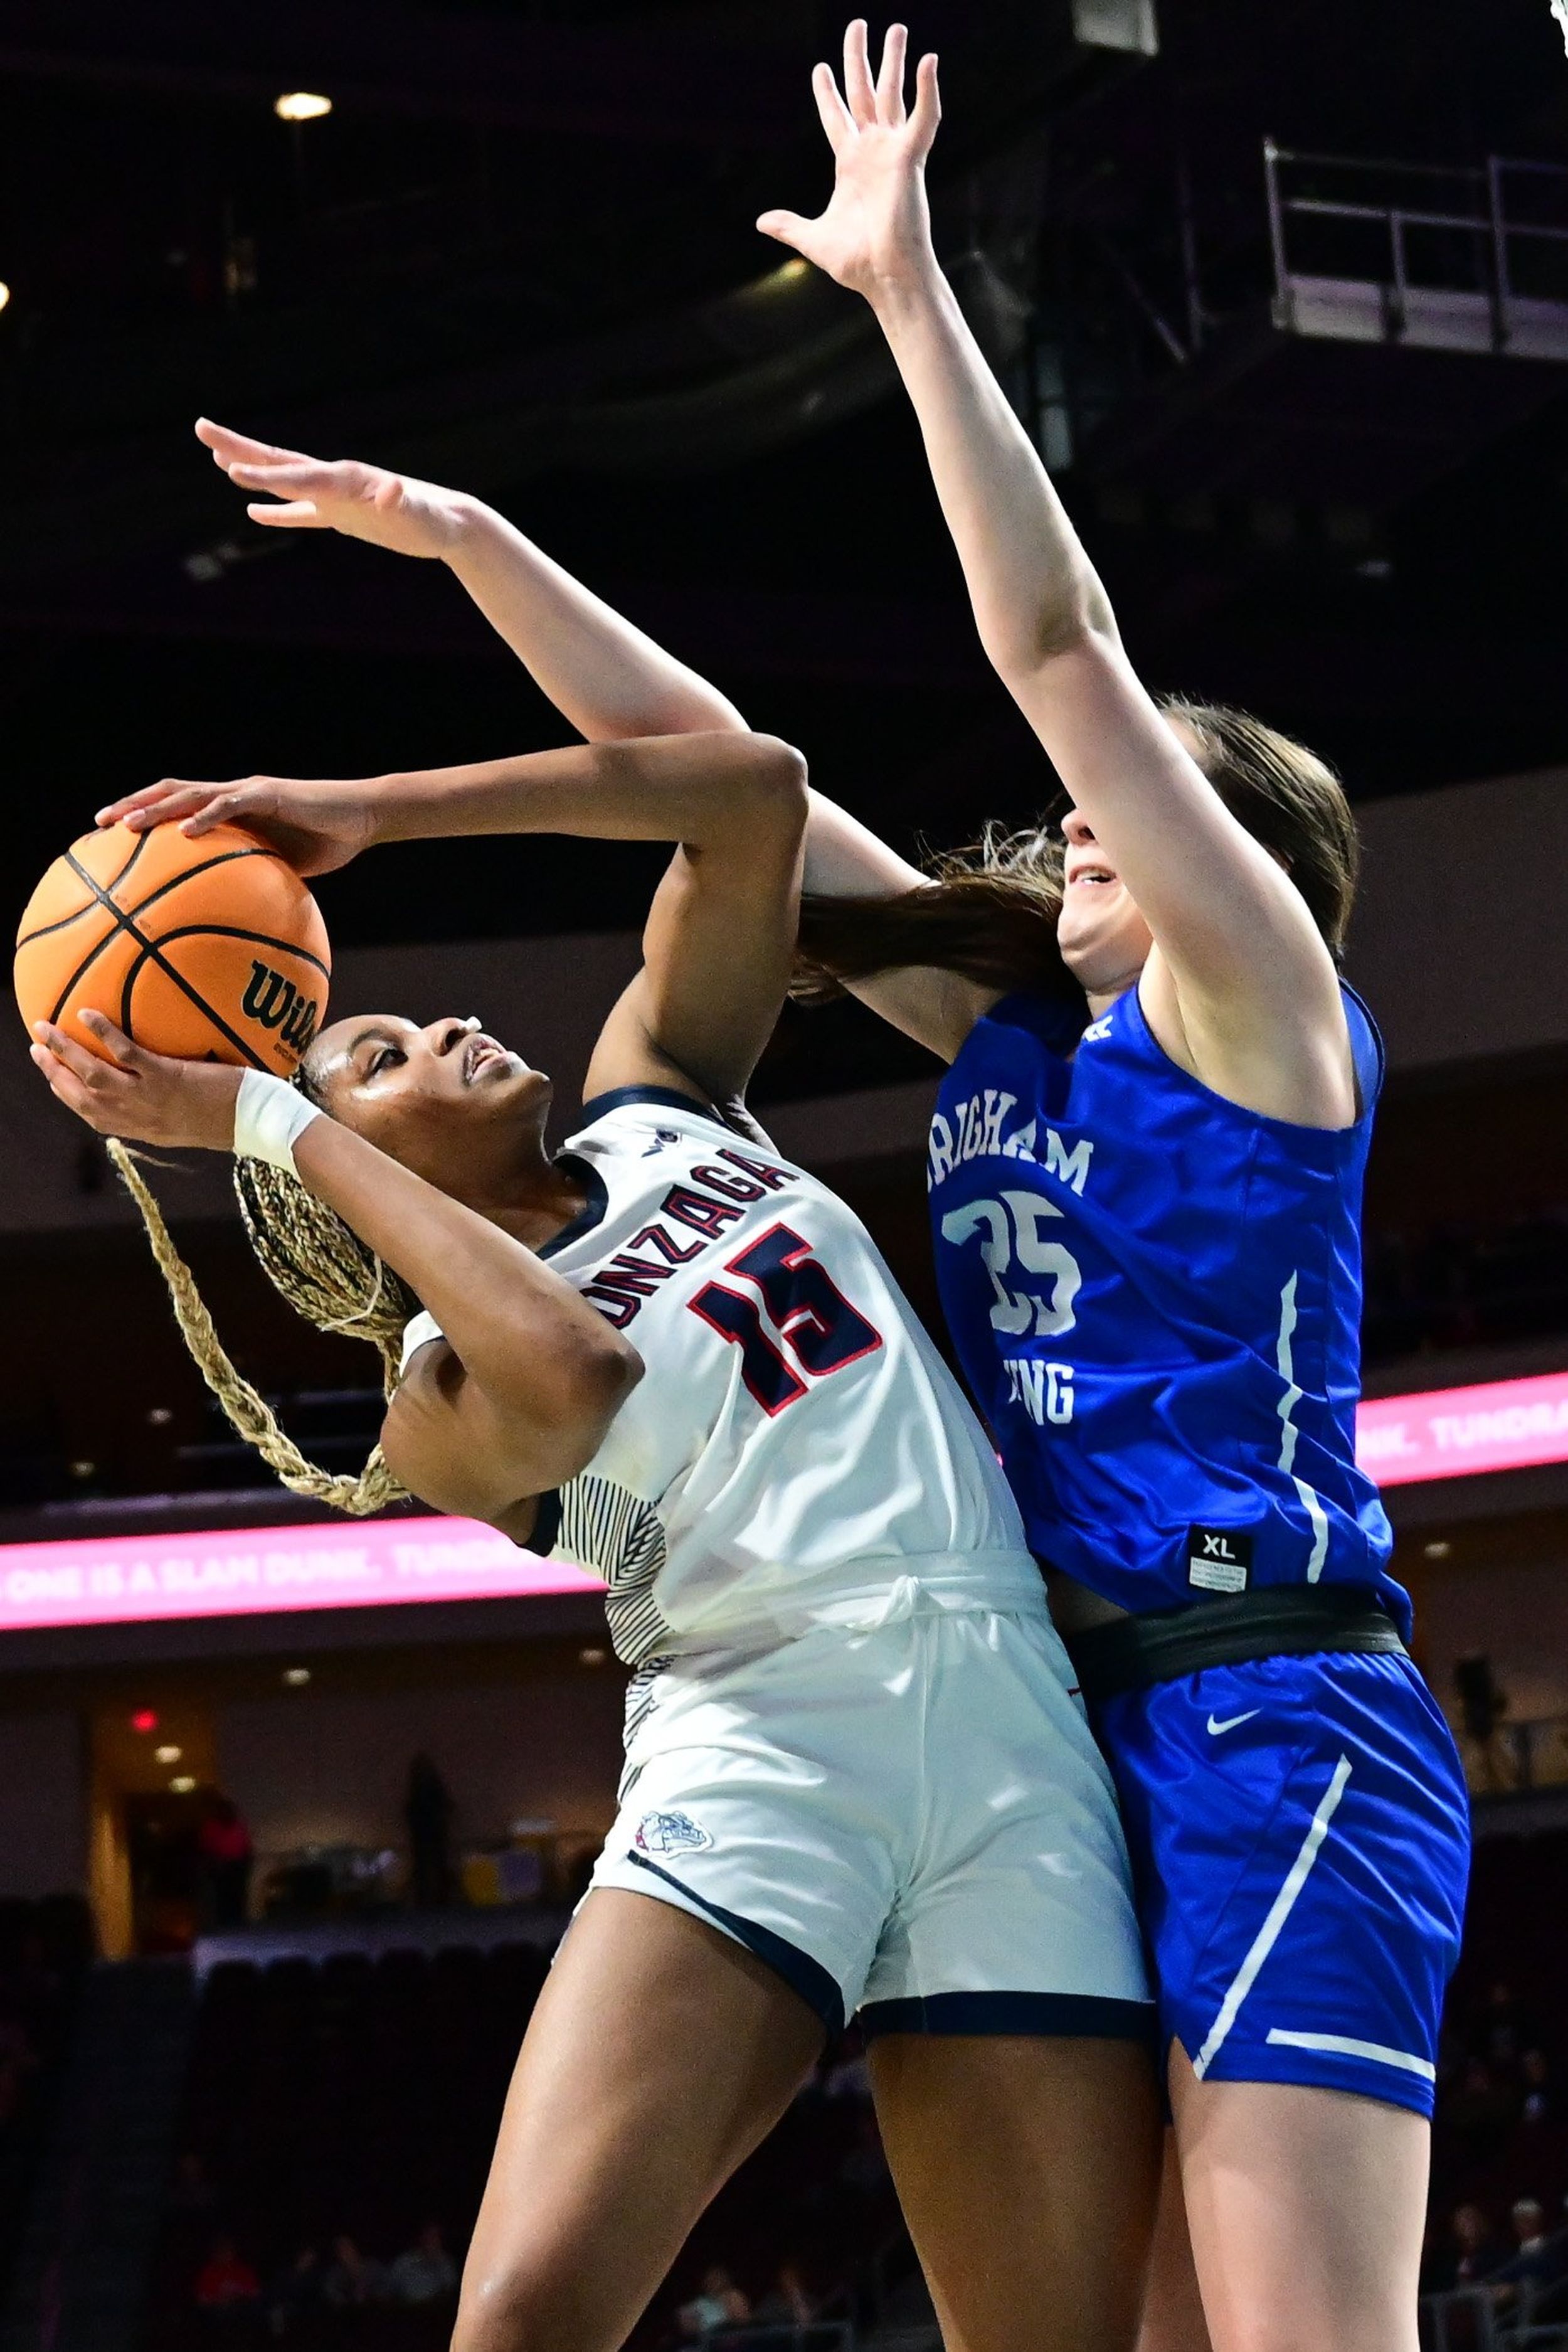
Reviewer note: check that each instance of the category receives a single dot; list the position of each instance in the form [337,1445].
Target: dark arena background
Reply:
[291,1817]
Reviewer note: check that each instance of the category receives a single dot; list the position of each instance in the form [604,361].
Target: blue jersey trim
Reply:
[801,1972]
[670,1096]
[1071,2015]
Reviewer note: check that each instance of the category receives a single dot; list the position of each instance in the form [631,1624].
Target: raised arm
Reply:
[720,937]
[605,675]
[1241,985]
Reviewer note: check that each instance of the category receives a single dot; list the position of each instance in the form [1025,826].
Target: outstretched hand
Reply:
[876,230]
[125,1090]
[390,510]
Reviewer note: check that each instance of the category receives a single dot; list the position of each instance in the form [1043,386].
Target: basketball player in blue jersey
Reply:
[857,1780]
[1147,1229]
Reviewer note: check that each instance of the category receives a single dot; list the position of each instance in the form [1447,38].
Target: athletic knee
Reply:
[507,2306]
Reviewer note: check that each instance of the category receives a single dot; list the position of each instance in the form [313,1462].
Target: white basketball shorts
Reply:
[913,1824]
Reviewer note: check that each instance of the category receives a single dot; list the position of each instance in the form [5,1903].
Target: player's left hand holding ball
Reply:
[145,1098]
[317,826]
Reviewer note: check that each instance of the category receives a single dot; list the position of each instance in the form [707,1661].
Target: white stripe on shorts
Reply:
[1378,2051]
[1280,1911]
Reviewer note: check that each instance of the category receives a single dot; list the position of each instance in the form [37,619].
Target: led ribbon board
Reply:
[249,1572]
[1459,1433]
[246,1572]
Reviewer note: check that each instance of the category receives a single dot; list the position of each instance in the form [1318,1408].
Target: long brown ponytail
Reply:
[990,910]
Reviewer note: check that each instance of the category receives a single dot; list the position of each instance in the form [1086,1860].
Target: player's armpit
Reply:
[454,1446]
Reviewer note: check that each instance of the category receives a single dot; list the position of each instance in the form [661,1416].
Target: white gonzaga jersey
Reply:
[797,1453]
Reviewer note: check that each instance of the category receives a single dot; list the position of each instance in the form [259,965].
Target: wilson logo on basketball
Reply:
[278,1004]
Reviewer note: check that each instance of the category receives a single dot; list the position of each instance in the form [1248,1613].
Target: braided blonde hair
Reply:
[327,1275]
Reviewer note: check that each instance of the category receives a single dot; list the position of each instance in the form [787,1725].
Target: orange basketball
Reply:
[210,949]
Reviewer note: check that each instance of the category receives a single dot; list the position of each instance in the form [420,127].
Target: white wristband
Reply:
[270,1116]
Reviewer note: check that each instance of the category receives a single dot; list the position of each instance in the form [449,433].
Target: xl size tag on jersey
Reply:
[1219,1559]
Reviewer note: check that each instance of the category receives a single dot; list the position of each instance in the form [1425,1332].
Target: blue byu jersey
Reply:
[1155,1296]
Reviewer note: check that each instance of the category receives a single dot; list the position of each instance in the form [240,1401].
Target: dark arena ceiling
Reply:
[519,256]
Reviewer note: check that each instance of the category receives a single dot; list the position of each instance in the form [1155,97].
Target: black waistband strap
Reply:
[1274,1620]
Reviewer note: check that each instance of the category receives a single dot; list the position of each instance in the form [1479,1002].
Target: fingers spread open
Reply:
[837,120]
[928,111]
[890,80]
[129,1056]
[88,1068]
[859,91]
[64,1086]
[788,227]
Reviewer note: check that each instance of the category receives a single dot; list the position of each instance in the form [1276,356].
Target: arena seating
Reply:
[360,2097]
[1507,2000]
[45,1948]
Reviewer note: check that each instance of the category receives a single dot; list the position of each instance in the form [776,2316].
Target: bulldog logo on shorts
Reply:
[670,1834]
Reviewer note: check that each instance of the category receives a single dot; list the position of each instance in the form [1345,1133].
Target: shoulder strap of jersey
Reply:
[619,1098]
[1056,1023]
[1367,1056]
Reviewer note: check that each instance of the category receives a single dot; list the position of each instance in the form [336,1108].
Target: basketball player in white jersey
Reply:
[857,1781]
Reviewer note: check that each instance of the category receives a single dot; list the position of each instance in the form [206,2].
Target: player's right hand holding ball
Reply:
[145,1098]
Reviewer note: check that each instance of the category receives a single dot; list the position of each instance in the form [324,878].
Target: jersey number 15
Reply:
[812,1319]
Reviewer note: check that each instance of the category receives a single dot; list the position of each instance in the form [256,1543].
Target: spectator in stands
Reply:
[1539,2262]
[1474,2251]
[353,2279]
[1480,2113]
[1483,1705]
[423,2272]
[225,2282]
[787,2304]
[1502,2027]
[1540,2106]
[427,1808]
[718,2303]
[299,2289]
[226,1855]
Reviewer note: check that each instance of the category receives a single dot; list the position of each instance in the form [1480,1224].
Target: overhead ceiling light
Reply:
[1438,1550]
[4,294]
[297,1676]
[181,1784]
[301,106]
[168,1755]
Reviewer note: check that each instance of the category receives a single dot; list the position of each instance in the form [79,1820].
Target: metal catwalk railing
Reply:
[1478,236]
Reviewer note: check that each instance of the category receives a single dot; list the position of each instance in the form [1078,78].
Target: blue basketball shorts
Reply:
[1299,1837]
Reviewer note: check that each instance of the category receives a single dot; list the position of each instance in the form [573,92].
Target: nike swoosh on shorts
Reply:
[1231,1721]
